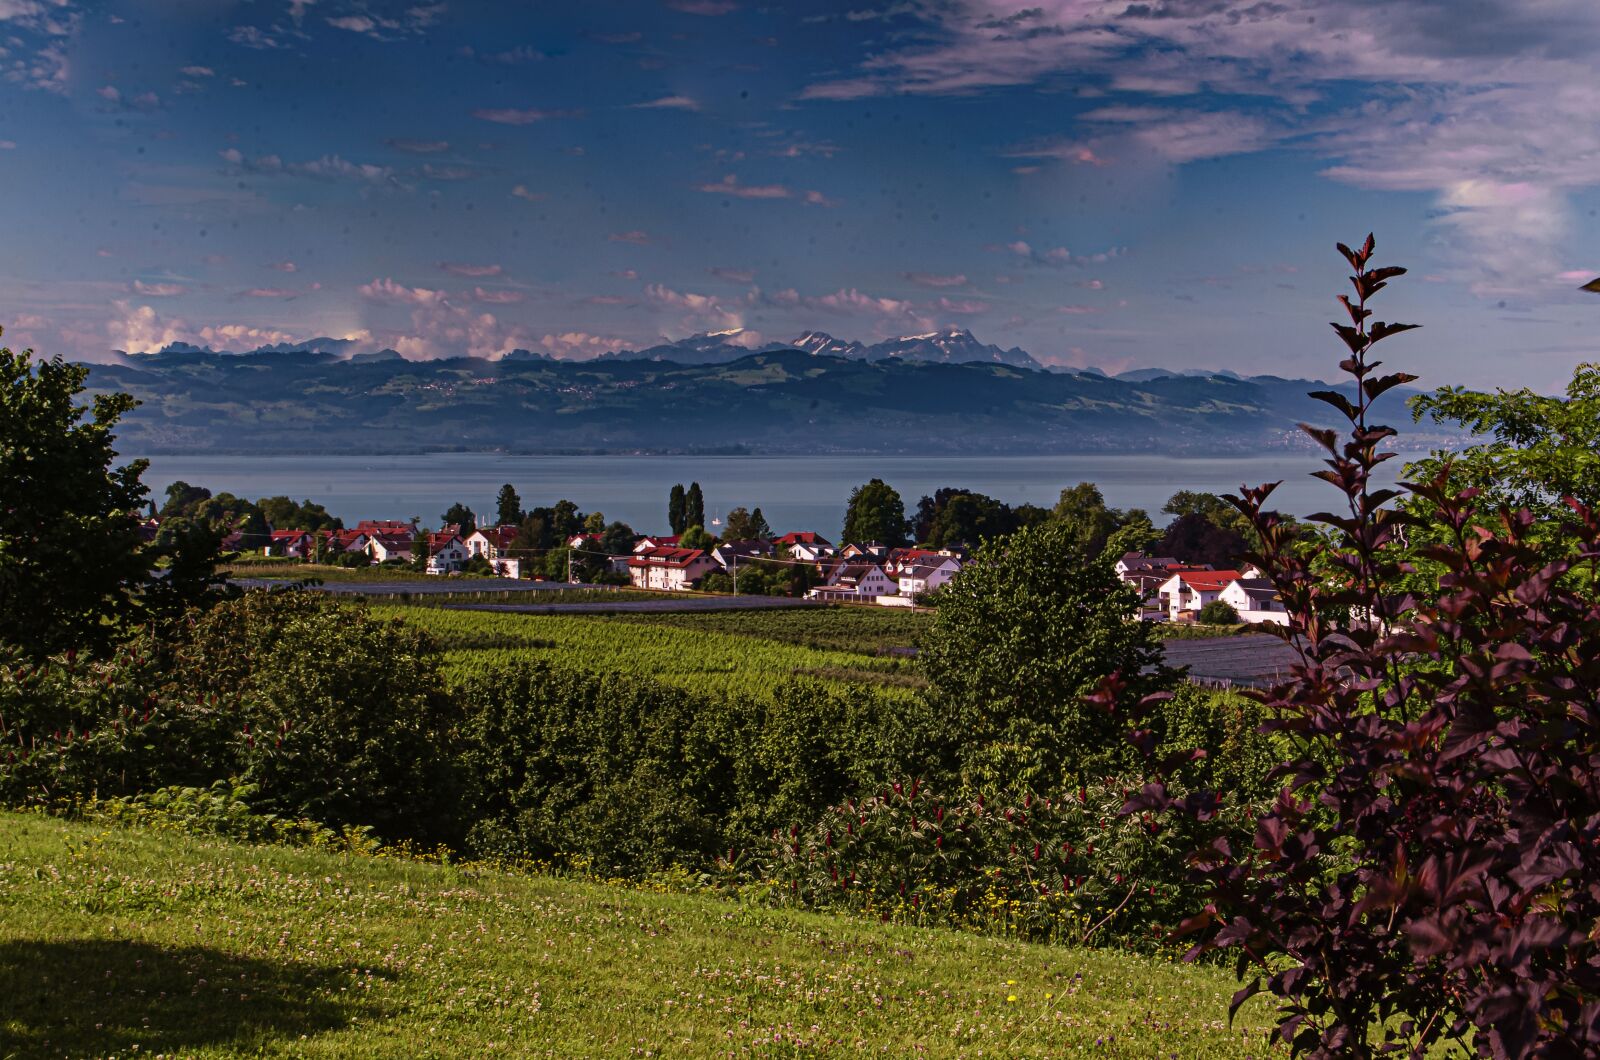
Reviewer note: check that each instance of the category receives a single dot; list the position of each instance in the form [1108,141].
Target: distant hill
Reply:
[954,346]
[781,400]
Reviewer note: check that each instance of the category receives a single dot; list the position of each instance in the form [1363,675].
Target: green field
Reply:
[117,942]
[851,628]
[689,658]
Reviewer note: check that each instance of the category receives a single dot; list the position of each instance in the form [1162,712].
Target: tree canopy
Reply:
[71,558]
[508,506]
[875,513]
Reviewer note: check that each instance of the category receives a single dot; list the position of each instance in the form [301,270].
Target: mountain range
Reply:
[912,395]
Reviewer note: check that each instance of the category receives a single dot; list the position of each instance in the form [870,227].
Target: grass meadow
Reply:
[131,943]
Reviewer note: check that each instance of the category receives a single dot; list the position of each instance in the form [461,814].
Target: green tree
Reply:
[1031,626]
[565,519]
[694,507]
[875,513]
[759,529]
[282,513]
[696,537]
[460,515]
[740,525]
[617,540]
[70,552]
[508,506]
[182,498]
[231,514]
[677,505]
[189,551]
[594,523]
[968,519]
[1084,508]
[1208,505]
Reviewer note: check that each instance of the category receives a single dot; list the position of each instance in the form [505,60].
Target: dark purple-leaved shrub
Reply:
[1430,870]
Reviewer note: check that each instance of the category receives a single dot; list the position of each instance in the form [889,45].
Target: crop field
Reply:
[691,658]
[849,628]
[131,943]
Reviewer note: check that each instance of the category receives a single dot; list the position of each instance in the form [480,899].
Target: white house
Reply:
[385,545]
[926,575]
[295,543]
[729,552]
[1256,600]
[672,569]
[446,553]
[854,583]
[806,546]
[1186,592]
[647,542]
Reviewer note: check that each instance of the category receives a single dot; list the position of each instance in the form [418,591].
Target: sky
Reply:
[1105,183]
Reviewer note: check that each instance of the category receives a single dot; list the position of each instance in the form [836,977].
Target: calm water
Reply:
[793,492]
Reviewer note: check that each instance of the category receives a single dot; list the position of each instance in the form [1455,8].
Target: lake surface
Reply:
[793,492]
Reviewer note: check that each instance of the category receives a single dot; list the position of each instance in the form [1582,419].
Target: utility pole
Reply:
[569,566]
[735,567]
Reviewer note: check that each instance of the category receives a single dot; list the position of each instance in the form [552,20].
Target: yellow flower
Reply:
[1011,982]
[1048,996]
[1011,997]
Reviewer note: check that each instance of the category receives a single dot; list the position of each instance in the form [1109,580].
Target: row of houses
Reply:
[387,540]
[855,573]
[1173,591]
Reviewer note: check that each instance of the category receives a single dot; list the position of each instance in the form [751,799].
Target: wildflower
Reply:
[1011,997]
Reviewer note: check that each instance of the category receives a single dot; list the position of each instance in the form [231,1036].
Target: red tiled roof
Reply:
[802,537]
[666,557]
[1207,580]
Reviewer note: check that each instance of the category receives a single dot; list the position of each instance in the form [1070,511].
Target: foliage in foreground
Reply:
[1431,865]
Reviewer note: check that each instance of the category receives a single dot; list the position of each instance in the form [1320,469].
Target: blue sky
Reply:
[1102,182]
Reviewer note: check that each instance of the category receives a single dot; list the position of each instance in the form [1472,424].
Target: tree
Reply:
[968,518]
[565,519]
[1218,613]
[459,514]
[1208,505]
[70,551]
[189,551]
[1084,508]
[696,537]
[694,507]
[283,513]
[1032,625]
[875,513]
[617,540]
[677,505]
[594,523]
[231,514]
[508,506]
[759,529]
[1194,538]
[740,525]
[181,498]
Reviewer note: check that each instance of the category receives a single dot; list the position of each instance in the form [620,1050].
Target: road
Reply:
[434,585]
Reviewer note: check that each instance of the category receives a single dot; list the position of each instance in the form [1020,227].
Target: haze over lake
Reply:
[794,492]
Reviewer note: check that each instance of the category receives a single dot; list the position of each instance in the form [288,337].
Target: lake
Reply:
[793,492]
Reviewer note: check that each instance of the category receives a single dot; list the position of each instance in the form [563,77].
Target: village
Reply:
[1169,588]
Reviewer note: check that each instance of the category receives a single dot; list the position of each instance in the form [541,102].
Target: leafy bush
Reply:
[76,728]
[222,809]
[1218,613]
[341,717]
[1429,866]
[1071,869]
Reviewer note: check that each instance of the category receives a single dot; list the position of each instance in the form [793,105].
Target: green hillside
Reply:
[125,943]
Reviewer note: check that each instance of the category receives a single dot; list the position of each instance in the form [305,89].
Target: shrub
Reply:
[339,716]
[1070,869]
[1218,613]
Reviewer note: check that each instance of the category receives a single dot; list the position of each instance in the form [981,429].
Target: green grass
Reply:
[848,628]
[607,595]
[690,658]
[119,942]
[293,570]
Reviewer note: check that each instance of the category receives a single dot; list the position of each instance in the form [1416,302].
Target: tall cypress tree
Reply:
[677,502]
[694,508]
[508,506]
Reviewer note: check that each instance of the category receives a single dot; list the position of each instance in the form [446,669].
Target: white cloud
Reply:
[158,290]
[637,237]
[282,293]
[388,291]
[198,71]
[576,344]
[501,297]
[700,312]
[514,116]
[729,185]
[521,191]
[353,23]
[929,279]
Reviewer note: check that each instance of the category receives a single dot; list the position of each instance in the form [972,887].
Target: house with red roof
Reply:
[494,544]
[295,543]
[386,545]
[446,552]
[806,546]
[1185,592]
[668,568]
[645,542]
